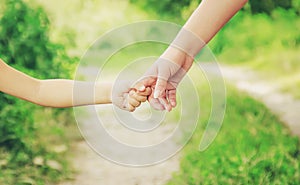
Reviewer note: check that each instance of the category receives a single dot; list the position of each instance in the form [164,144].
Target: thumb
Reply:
[144,82]
[164,73]
[140,86]
[160,87]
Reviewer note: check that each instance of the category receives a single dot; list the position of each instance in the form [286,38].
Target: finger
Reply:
[137,97]
[146,92]
[140,98]
[172,97]
[143,83]
[164,73]
[132,99]
[160,87]
[175,79]
[156,104]
[165,103]
[128,105]
[130,108]
[139,86]
[134,102]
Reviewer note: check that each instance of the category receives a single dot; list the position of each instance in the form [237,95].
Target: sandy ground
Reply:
[281,104]
[92,169]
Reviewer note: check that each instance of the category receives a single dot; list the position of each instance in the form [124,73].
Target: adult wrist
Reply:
[188,42]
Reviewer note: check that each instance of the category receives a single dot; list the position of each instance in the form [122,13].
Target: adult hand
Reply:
[169,69]
[164,76]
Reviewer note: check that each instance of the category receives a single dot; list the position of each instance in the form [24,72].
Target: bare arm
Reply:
[205,22]
[202,26]
[61,93]
[52,93]
[211,16]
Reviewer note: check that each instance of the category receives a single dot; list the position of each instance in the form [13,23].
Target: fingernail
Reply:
[173,104]
[156,94]
[141,88]
[167,108]
[131,93]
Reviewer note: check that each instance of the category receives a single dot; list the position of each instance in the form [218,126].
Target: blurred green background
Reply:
[46,39]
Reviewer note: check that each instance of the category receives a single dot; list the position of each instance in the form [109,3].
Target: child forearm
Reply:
[52,93]
[69,93]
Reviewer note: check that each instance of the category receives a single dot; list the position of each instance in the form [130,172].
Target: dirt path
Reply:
[92,169]
[281,104]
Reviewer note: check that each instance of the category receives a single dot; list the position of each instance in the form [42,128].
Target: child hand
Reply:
[127,98]
[135,98]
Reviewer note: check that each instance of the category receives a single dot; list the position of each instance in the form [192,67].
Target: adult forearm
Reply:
[204,23]
[211,16]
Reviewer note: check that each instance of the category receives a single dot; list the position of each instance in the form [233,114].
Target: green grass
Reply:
[292,86]
[268,45]
[75,24]
[78,23]
[50,144]
[30,137]
[284,66]
[253,147]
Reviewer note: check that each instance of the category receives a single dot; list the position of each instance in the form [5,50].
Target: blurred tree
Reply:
[264,6]
[296,6]
[165,7]
[169,7]
[25,45]
[24,40]
[267,6]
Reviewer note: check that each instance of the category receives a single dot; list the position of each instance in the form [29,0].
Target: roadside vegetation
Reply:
[46,39]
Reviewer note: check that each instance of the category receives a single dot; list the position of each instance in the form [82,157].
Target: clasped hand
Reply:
[159,83]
